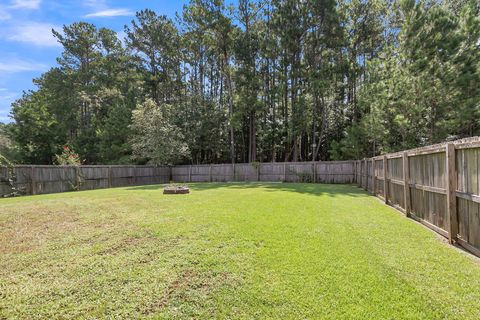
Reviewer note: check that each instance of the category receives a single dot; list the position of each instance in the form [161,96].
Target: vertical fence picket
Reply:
[373,176]
[385,180]
[33,181]
[451,193]
[406,181]
[366,174]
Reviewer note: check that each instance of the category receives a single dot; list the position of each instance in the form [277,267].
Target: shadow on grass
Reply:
[317,189]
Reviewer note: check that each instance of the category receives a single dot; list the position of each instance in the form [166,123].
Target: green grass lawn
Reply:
[227,251]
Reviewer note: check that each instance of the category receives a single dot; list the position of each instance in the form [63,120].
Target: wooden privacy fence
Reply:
[437,185]
[53,179]
[317,172]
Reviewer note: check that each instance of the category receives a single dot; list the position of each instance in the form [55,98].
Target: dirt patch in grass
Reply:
[35,227]
[124,244]
[30,230]
[188,287]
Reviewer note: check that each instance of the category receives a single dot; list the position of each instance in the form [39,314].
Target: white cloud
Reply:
[5,119]
[4,15]
[38,34]
[8,98]
[95,3]
[5,103]
[109,13]
[25,4]
[17,65]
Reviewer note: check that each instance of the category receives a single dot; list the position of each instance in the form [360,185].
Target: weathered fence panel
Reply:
[246,172]
[273,171]
[91,177]
[378,178]
[468,196]
[4,183]
[222,172]
[54,179]
[395,182]
[321,172]
[299,172]
[438,190]
[335,172]
[181,173]
[438,185]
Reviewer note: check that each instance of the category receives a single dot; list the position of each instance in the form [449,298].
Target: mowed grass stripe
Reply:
[227,251]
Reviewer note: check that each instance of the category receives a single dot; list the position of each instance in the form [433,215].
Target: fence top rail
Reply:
[176,166]
[466,143]
[394,156]
[86,166]
[268,163]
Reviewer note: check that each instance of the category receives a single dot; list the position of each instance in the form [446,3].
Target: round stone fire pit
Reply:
[176,190]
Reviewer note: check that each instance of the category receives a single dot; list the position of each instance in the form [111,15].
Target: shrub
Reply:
[68,157]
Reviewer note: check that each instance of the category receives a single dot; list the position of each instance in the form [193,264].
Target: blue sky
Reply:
[27,47]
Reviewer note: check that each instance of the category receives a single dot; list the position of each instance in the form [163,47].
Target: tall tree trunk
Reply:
[252,150]
[230,106]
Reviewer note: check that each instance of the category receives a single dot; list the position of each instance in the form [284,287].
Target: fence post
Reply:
[109,176]
[373,176]
[258,171]
[190,173]
[359,180]
[385,183]
[362,172]
[210,173]
[354,171]
[451,193]
[406,181]
[234,175]
[285,172]
[314,170]
[77,177]
[32,180]
[366,174]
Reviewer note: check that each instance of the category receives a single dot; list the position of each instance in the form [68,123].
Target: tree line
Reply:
[264,80]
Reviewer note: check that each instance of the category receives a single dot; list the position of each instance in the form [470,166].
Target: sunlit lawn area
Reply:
[227,251]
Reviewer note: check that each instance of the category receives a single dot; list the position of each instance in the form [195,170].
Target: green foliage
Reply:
[274,80]
[68,157]
[155,139]
[421,89]
[7,149]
